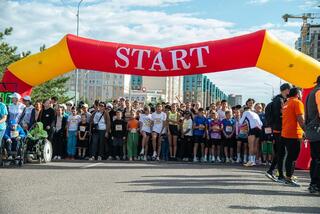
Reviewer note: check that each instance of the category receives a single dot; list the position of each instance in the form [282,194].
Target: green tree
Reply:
[55,87]
[8,53]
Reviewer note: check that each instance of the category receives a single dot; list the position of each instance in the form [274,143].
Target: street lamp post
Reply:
[77,70]
[268,84]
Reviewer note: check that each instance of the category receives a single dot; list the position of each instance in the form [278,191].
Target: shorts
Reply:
[215,142]
[267,148]
[147,133]
[174,130]
[198,139]
[255,131]
[229,142]
[243,140]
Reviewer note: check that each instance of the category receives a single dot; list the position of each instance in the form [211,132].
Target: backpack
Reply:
[269,114]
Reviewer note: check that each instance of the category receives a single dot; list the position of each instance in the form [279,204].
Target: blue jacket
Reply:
[7,134]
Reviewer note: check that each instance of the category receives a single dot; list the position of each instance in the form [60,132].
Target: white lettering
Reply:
[175,60]
[123,57]
[199,55]
[158,61]
[140,57]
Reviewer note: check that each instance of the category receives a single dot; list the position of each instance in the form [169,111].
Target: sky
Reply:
[160,23]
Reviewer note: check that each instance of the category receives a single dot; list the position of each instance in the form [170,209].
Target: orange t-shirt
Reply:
[290,126]
[133,124]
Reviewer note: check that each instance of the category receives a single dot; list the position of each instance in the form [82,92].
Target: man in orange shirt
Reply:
[292,131]
[313,120]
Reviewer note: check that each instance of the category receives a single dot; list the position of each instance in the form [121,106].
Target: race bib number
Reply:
[229,129]
[133,130]
[201,127]
[118,127]
[157,121]
[14,134]
[215,128]
[268,130]
[82,128]
[147,123]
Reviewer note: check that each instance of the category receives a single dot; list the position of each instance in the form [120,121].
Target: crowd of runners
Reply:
[252,134]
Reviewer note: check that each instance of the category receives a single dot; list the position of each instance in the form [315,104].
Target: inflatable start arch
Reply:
[259,49]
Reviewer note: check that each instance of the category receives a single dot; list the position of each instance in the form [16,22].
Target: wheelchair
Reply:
[38,151]
[18,158]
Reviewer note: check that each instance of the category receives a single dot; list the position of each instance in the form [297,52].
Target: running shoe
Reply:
[281,180]
[213,159]
[313,189]
[270,176]
[249,164]
[195,160]
[292,182]
[218,159]
[238,160]
[227,160]
[142,151]
[99,158]
[158,159]
[10,157]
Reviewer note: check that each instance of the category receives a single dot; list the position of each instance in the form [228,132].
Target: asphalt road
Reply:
[122,187]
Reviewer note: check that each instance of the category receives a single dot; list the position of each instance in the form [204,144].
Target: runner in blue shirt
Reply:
[199,130]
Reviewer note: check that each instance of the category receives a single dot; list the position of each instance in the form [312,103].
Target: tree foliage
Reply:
[8,55]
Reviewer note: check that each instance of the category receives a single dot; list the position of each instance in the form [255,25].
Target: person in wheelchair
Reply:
[13,138]
[36,134]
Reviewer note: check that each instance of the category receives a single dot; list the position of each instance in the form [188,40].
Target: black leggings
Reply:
[315,163]
[279,153]
[186,147]
[293,150]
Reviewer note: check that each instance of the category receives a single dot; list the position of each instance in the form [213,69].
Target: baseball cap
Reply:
[285,86]
[109,105]
[69,102]
[27,98]
[15,95]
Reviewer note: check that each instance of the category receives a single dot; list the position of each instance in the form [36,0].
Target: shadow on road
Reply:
[288,209]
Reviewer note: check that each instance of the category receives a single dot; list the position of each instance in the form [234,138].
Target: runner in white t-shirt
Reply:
[145,129]
[158,119]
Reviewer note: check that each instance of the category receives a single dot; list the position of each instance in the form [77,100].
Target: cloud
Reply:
[309,4]
[128,21]
[258,1]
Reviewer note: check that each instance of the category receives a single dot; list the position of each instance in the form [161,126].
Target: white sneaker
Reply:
[99,158]
[210,158]
[10,157]
[249,164]
[117,158]
[124,157]
[55,157]
[238,160]
[158,159]
[195,160]
[218,159]
[213,159]
[154,154]
[145,158]
[59,157]
[227,160]
[109,158]
[142,151]
[92,158]
[204,159]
